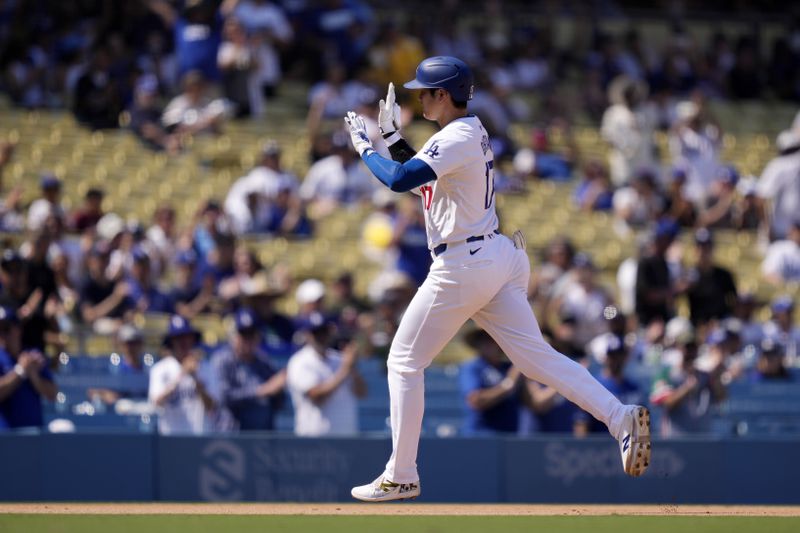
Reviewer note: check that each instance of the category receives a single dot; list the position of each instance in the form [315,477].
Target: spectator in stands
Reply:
[86,216]
[130,346]
[97,98]
[655,289]
[177,390]
[324,384]
[541,161]
[771,363]
[310,297]
[782,329]
[162,233]
[11,217]
[145,296]
[194,111]
[410,240]
[695,141]
[249,385]
[197,31]
[30,301]
[779,185]
[250,196]
[745,81]
[103,301]
[678,205]
[191,294]
[748,210]
[556,261]
[38,311]
[711,288]
[491,387]
[209,224]
[145,117]
[685,394]
[237,61]
[277,330]
[613,377]
[272,33]
[337,179]
[579,303]
[24,377]
[628,126]
[639,203]
[594,192]
[782,262]
[721,201]
[49,203]
[752,330]
[333,97]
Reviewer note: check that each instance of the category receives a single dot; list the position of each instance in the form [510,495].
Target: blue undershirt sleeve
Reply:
[399,177]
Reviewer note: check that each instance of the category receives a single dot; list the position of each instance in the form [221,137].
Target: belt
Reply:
[439,250]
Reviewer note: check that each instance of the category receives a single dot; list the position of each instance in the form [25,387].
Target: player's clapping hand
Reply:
[389,113]
[358,132]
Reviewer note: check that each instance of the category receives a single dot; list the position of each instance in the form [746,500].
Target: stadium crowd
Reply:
[168,72]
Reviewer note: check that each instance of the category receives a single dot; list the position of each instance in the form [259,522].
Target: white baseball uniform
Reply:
[479,274]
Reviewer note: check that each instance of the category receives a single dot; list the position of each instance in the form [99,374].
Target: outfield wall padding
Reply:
[263,467]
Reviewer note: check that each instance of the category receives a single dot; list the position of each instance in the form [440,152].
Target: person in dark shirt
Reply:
[770,365]
[86,216]
[26,287]
[100,296]
[277,330]
[190,295]
[655,291]
[97,96]
[712,290]
[145,117]
[248,385]
[491,387]
[24,377]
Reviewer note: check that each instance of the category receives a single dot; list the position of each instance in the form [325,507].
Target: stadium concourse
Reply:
[143,183]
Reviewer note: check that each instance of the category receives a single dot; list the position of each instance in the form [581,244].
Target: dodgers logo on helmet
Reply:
[445,72]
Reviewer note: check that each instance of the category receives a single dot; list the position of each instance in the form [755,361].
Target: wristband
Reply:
[392,137]
[18,370]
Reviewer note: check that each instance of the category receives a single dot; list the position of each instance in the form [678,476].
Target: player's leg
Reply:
[509,319]
[433,317]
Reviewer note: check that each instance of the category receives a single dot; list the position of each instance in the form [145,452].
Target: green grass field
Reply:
[54,523]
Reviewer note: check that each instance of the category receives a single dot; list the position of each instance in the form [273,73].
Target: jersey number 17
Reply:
[489,184]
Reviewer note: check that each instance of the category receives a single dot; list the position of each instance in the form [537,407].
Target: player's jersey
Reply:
[460,202]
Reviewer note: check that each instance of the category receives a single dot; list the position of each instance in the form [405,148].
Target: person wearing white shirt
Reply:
[782,262]
[48,204]
[779,185]
[324,385]
[176,389]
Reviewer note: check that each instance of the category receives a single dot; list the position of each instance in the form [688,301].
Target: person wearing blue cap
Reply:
[324,383]
[721,200]
[177,388]
[189,295]
[655,289]
[247,383]
[781,328]
[144,294]
[24,377]
[49,203]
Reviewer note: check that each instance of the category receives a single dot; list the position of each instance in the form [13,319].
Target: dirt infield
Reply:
[420,509]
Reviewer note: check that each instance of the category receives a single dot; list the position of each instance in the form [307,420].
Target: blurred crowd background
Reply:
[190,242]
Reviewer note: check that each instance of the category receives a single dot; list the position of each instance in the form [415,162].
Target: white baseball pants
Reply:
[489,286]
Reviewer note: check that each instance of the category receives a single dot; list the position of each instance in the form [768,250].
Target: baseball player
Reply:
[476,273]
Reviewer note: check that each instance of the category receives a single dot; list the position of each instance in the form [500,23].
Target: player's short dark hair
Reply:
[458,105]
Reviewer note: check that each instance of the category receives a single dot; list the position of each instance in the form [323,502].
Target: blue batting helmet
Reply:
[444,72]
